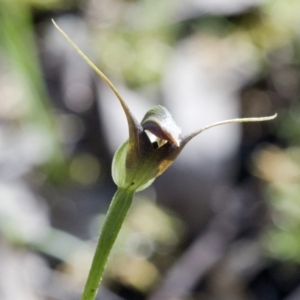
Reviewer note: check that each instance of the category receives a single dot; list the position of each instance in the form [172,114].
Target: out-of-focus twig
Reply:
[200,257]
[295,295]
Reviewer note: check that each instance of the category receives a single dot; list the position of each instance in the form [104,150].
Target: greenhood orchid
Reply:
[136,164]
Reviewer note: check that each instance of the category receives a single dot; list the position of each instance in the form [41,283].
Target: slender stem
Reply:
[115,216]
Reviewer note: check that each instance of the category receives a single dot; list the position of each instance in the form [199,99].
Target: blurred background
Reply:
[223,223]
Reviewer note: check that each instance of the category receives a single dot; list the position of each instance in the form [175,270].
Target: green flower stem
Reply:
[116,214]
